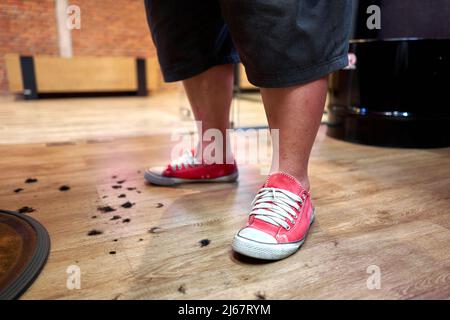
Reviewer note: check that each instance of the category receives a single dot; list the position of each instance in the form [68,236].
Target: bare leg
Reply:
[210,94]
[296,111]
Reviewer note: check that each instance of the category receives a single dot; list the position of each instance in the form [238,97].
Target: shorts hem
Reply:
[297,75]
[188,71]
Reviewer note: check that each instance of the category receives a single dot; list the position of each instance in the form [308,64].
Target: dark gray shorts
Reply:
[280,42]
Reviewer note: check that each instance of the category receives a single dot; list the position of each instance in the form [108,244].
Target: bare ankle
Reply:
[304,182]
[302,178]
[209,152]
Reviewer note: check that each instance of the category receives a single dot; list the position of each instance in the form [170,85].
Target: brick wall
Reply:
[112,27]
[108,28]
[26,27]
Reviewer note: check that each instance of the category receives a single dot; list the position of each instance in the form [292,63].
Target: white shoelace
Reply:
[275,205]
[186,160]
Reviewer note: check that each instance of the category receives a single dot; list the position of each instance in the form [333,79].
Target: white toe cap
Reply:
[157,170]
[256,235]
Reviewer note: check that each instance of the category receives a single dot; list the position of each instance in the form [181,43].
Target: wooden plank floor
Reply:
[375,206]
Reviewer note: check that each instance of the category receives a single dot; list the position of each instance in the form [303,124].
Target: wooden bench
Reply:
[32,75]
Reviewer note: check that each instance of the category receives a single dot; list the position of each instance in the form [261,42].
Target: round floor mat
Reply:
[24,248]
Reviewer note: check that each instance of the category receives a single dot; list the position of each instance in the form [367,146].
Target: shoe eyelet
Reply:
[288,228]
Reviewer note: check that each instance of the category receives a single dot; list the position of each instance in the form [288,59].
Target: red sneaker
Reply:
[279,221]
[189,169]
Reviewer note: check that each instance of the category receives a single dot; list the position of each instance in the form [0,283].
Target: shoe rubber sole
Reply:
[268,251]
[168,181]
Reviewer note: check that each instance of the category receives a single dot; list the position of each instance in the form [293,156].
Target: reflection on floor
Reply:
[64,120]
